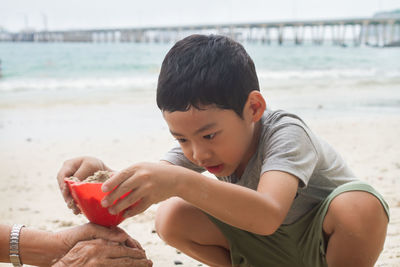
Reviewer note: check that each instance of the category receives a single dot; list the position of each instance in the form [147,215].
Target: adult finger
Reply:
[128,262]
[130,242]
[91,231]
[115,250]
[133,243]
[97,252]
[112,234]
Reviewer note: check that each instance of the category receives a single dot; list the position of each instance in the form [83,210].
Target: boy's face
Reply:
[213,138]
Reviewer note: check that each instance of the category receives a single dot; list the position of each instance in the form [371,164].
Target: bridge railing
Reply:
[352,31]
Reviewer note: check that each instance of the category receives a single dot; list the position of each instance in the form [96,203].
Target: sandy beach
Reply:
[35,139]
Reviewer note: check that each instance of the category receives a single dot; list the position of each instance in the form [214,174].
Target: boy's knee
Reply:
[168,219]
[357,212]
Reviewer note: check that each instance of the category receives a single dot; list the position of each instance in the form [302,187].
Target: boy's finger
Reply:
[73,206]
[83,172]
[116,179]
[68,169]
[125,203]
[113,199]
[66,193]
[64,173]
[143,205]
[124,184]
[76,210]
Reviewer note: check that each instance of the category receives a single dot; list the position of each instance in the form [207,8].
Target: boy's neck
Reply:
[252,149]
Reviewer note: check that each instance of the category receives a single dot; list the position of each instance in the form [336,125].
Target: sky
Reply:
[15,15]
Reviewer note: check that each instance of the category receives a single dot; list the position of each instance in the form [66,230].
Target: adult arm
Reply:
[43,248]
[35,247]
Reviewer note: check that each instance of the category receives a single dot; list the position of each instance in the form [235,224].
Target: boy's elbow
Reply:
[268,228]
[270,223]
[271,229]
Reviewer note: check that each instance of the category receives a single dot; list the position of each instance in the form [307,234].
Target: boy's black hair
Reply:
[206,70]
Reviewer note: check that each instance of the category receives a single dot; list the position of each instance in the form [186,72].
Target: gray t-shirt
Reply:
[287,144]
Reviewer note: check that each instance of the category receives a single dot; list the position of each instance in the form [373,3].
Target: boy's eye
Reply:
[209,136]
[181,140]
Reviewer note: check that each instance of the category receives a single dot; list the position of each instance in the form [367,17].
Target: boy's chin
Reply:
[225,173]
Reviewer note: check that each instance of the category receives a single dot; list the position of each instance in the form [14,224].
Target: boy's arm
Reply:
[260,212]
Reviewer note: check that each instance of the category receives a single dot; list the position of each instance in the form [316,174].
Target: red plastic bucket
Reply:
[88,196]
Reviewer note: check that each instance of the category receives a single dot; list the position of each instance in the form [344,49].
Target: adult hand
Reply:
[43,248]
[81,167]
[148,182]
[100,252]
[90,231]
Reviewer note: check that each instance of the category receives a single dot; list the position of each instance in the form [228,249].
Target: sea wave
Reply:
[278,79]
[77,84]
[330,73]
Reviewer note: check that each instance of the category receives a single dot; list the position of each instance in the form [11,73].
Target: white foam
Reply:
[329,73]
[83,83]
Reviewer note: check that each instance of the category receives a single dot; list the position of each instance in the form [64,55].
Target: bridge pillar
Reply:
[377,35]
[364,32]
[317,33]
[343,34]
[398,31]
[321,33]
[356,37]
[232,32]
[298,34]
[266,38]
[384,33]
[392,32]
[280,34]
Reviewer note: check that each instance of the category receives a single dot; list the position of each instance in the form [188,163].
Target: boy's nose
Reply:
[201,155]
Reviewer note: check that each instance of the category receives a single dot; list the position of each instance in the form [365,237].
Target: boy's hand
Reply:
[81,167]
[148,182]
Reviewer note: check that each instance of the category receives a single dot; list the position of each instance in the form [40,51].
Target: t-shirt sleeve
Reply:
[176,157]
[288,148]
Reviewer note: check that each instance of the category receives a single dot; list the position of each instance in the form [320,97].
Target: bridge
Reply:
[352,31]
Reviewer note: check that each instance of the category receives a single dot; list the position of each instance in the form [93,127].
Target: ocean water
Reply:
[304,79]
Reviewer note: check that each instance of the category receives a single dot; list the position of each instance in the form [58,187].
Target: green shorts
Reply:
[299,244]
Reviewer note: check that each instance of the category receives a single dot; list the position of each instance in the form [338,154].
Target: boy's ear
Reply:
[255,105]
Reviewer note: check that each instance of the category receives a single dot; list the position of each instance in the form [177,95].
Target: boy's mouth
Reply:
[215,169]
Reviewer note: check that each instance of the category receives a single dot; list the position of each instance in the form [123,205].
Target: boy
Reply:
[283,197]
